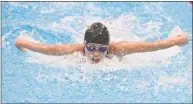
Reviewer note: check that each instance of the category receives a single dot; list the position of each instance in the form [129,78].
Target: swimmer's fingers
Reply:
[23,49]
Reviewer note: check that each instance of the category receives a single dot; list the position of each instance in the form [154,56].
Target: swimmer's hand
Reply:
[19,43]
[180,39]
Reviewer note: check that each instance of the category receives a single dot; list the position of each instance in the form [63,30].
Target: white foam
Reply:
[123,23]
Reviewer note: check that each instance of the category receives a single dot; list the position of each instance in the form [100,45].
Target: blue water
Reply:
[28,78]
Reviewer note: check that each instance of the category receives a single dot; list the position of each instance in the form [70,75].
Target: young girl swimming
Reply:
[97,45]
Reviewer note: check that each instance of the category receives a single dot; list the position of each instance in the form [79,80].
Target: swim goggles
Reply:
[93,48]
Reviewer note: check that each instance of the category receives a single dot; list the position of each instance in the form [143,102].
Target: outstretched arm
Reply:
[48,49]
[124,48]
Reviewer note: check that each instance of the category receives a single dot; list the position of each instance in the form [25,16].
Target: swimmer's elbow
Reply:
[50,50]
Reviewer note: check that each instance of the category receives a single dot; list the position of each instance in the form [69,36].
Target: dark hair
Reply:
[97,33]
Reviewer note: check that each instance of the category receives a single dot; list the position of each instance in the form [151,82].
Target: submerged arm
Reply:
[48,49]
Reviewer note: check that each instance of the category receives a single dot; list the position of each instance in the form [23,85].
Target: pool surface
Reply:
[163,76]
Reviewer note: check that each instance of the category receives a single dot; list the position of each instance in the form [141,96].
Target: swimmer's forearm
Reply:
[22,44]
[49,49]
[178,40]
[158,45]
[163,44]
[124,48]
[36,47]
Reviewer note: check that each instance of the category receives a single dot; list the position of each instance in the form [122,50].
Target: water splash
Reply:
[66,78]
[129,62]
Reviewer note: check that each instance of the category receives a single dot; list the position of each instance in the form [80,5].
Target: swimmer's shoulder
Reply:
[114,48]
[71,47]
[78,47]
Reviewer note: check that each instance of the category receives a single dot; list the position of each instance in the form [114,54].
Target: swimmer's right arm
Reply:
[48,49]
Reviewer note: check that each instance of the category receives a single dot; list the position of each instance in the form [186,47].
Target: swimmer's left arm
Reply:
[125,47]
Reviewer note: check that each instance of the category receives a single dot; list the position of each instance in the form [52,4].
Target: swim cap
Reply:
[97,33]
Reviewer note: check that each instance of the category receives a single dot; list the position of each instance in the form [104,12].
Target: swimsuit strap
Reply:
[84,50]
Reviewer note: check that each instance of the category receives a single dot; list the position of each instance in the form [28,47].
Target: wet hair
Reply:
[97,33]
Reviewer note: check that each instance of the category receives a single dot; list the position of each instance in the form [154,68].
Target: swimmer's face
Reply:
[95,52]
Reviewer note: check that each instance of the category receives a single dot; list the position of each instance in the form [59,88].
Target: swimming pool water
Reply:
[152,77]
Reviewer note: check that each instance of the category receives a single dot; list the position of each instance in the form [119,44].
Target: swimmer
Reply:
[97,46]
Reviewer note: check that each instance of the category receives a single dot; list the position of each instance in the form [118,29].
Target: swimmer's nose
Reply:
[96,54]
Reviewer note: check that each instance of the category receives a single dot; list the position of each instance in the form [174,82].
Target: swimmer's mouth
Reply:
[95,60]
